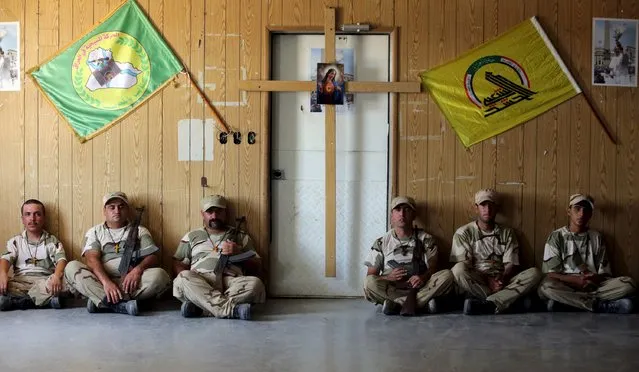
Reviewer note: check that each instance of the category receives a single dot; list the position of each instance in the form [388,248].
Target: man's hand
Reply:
[4,283]
[229,248]
[495,284]
[54,285]
[416,281]
[113,293]
[396,275]
[132,280]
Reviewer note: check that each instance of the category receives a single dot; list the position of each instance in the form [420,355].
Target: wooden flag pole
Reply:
[208,103]
[599,119]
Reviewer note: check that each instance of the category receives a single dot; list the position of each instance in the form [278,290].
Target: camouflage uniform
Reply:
[34,266]
[571,253]
[198,249]
[390,247]
[478,254]
[107,241]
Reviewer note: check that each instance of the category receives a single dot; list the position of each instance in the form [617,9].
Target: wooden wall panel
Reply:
[536,166]
[468,162]
[12,114]
[440,138]
[83,202]
[250,116]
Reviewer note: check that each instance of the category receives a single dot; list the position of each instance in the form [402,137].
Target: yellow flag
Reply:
[501,84]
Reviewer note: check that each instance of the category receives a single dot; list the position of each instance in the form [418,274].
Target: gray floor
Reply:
[316,335]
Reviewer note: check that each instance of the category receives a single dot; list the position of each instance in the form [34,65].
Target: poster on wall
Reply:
[344,57]
[614,52]
[9,56]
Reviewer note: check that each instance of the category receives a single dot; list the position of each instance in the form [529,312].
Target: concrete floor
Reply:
[316,335]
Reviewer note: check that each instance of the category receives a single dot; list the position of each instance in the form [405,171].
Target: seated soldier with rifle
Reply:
[121,262]
[212,263]
[402,266]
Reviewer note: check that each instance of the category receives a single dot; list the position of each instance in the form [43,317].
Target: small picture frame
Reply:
[9,56]
[614,52]
[330,84]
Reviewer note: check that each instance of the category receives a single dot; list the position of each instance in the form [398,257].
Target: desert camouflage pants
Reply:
[199,288]
[153,283]
[377,290]
[36,287]
[610,289]
[472,283]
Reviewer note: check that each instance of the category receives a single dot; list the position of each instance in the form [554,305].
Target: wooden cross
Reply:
[329,117]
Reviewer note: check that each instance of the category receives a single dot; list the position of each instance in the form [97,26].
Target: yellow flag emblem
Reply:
[501,84]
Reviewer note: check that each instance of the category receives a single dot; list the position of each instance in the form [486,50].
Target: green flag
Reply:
[108,72]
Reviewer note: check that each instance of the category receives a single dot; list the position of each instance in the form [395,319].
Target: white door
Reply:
[298,197]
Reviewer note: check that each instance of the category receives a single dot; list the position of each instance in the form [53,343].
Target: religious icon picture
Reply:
[330,84]
[9,56]
[614,52]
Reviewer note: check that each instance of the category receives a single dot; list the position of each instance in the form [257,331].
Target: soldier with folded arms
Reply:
[577,269]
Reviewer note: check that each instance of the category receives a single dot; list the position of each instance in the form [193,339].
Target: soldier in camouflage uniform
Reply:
[195,261]
[38,261]
[487,258]
[397,245]
[577,270]
[100,280]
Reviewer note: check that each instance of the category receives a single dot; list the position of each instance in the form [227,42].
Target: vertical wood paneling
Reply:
[581,24]
[402,18]
[215,88]
[317,11]
[234,98]
[134,144]
[272,15]
[176,106]
[12,114]
[83,202]
[65,154]
[106,147]
[154,151]
[603,158]
[48,181]
[468,162]
[510,145]
[198,72]
[374,12]
[418,107]
[625,259]
[547,151]
[251,36]
[296,12]
[489,147]
[440,138]
[31,101]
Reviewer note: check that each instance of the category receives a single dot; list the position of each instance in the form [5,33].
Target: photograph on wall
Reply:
[614,52]
[345,58]
[9,56]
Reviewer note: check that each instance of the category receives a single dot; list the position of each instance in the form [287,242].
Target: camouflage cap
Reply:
[485,195]
[115,195]
[403,200]
[578,198]
[212,201]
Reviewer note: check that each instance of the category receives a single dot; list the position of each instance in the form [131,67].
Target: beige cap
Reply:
[212,201]
[115,195]
[577,198]
[403,200]
[486,195]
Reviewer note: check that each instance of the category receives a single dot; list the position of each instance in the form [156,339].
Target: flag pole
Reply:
[599,118]
[208,103]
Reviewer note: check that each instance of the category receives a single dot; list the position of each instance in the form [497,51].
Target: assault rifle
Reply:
[232,234]
[417,266]
[131,245]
